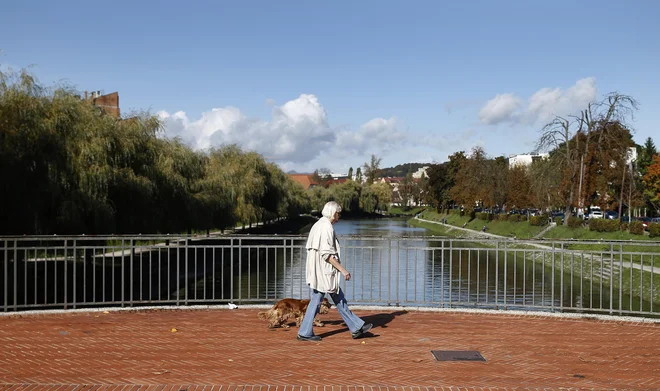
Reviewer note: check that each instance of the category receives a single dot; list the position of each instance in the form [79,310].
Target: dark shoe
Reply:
[364,329]
[313,338]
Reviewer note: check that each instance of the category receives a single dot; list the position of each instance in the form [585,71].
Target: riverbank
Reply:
[606,262]
[297,225]
[524,230]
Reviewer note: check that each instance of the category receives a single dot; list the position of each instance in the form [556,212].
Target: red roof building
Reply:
[305,180]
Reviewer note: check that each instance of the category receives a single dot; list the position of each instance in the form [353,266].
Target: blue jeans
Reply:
[353,322]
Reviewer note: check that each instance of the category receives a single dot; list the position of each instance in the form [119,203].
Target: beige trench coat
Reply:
[321,244]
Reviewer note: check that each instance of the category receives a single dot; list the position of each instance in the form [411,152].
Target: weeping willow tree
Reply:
[68,168]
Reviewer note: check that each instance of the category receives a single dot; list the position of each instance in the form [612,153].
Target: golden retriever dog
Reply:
[286,308]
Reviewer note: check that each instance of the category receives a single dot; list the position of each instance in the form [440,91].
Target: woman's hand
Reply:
[334,261]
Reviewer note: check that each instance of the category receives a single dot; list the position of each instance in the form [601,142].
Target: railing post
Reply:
[451,259]
[506,277]
[561,277]
[231,271]
[5,275]
[398,251]
[497,274]
[240,269]
[185,271]
[621,278]
[131,264]
[389,271]
[442,272]
[66,276]
[552,279]
[15,271]
[75,285]
[178,273]
[611,277]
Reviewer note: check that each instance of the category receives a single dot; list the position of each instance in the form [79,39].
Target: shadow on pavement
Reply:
[378,320]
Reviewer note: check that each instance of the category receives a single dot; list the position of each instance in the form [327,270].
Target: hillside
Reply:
[401,170]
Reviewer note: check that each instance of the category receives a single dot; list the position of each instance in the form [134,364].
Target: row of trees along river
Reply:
[69,169]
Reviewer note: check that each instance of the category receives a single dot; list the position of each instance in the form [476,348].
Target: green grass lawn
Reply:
[520,230]
[564,232]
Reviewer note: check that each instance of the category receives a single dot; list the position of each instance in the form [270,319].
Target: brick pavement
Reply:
[232,350]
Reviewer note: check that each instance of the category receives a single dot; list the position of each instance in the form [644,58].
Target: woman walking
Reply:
[323,270]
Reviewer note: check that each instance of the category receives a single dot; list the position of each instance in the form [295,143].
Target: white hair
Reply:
[330,209]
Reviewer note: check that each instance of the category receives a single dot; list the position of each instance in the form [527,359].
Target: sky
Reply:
[314,85]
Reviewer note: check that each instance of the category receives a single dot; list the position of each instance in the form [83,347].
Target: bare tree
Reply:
[570,142]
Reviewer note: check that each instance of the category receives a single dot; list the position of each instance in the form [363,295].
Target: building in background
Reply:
[420,172]
[304,180]
[526,159]
[109,103]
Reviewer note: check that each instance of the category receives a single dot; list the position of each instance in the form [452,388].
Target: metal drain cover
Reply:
[457,355]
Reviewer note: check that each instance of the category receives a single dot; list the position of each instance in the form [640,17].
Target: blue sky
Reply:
[313,85]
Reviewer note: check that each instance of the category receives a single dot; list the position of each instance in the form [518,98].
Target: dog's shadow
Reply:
[378,320]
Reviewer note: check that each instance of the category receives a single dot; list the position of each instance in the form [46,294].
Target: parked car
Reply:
[596,214]
[556,214]
[645,221]
[611,215]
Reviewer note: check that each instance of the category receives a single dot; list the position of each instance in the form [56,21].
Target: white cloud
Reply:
[542,106]
[297,135]
[501,108]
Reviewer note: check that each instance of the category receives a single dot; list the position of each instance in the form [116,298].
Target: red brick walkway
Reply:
[226,350]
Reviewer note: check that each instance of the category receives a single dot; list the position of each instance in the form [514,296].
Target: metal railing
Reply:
[571,276]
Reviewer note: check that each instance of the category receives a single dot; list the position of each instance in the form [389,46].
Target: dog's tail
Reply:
[264,315]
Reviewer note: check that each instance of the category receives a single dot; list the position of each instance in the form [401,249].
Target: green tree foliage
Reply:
[474,182]
[645,155]
[652,182]
[383,193]
[67,168]
[372,169]
[358,175]
[519,188]
[442,178]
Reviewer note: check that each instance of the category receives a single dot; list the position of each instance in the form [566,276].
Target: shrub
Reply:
[624,226]
[654,230]
[575,222]
[603,225]
[636,228]
[559,220]
[482,216]
[502,217]
[611,225]
[537,220]
[472,214]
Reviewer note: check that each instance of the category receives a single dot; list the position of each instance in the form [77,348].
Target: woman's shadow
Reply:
[378,320]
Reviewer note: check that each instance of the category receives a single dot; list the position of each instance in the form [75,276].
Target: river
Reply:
[394,263]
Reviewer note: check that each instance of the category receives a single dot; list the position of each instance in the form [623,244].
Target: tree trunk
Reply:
[623,181]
